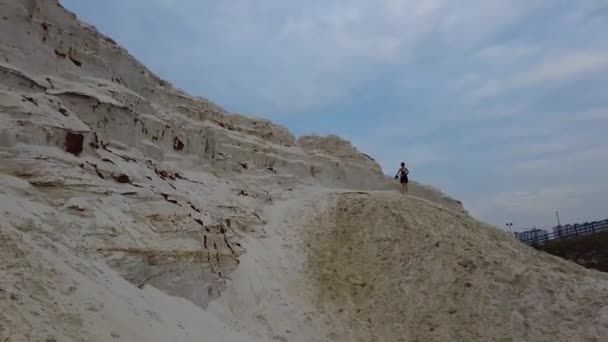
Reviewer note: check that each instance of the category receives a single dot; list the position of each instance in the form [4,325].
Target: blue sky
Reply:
[502,104]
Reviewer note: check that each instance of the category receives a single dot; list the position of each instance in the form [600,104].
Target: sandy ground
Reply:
[265,295]
[49,292]
[388,268]
[132,211]
[327,266]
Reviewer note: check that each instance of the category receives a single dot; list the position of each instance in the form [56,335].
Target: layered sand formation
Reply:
[132,211]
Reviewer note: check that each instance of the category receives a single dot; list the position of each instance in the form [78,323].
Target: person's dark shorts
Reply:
[403,180]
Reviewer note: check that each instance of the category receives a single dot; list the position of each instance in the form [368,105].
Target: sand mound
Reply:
[386,268]
[132,211]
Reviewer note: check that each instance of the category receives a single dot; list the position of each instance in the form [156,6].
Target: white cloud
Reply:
[423,156]
[586,9]
[596,115]
[547,199]
[470,22]
[550,70]
[561,164]
[537,207]
[568,67]
[501,54]
[304,58]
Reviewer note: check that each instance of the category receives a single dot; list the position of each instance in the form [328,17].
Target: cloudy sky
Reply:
[503,104]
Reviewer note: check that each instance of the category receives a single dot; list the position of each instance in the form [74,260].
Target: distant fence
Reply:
[564,232]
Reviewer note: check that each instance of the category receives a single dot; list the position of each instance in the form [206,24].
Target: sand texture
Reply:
[133,211]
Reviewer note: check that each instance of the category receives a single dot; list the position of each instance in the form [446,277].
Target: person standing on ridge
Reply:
[402,175]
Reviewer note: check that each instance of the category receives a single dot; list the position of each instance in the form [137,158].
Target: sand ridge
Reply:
[132,211]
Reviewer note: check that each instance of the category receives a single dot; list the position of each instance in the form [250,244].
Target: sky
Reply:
[501,104]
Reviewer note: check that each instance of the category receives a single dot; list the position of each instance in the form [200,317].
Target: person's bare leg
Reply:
[406,190]
[402,187]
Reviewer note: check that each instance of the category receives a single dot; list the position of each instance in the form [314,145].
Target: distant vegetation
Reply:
[590,251]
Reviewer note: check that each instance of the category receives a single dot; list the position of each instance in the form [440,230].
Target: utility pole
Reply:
[557,215]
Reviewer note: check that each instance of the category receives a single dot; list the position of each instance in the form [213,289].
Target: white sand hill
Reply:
[132,211]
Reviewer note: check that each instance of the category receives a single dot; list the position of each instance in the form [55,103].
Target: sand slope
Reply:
[386,268]
[132,211]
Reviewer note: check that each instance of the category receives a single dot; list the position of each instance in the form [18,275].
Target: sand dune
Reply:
[132,211]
